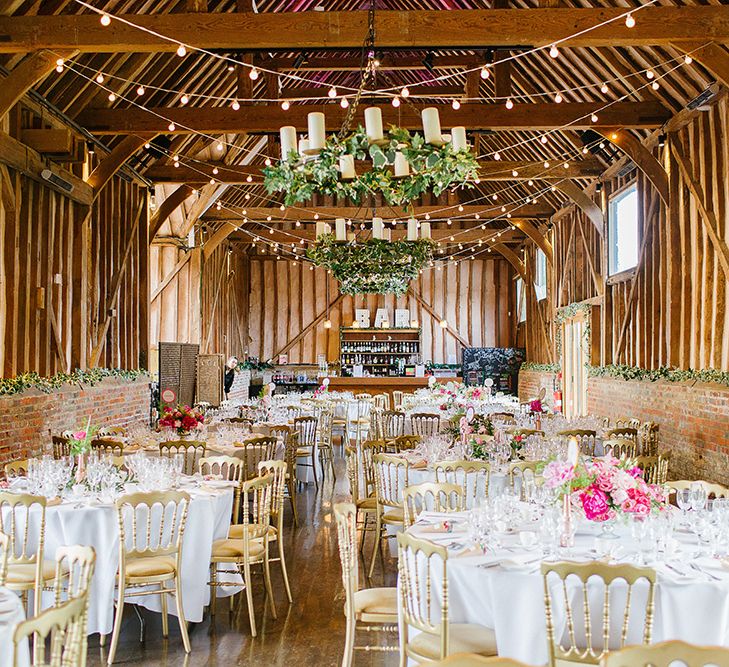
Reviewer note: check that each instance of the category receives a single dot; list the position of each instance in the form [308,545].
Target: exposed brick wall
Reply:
[530,382]
[693,420]
[30,418]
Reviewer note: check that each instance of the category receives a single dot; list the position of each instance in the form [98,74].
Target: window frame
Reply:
[540,267]
[624,274]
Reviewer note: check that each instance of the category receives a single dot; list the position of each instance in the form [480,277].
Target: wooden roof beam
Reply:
[170,204]
[490,170]
[269,118]
[344,29]
[388,62]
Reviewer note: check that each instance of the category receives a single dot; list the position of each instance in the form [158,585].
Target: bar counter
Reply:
[381,385]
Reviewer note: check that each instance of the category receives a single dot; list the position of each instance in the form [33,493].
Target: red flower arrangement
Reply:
[182,419]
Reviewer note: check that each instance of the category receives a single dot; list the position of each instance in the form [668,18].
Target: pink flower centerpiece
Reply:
[181,419]
[605,488]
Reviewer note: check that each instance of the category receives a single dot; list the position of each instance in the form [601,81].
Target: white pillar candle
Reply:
[402,168]
[425,230]
[346,167]
[373,124]
[319,229]
[431,126]
[327,228]
[412,229]
[288,140]
[377,228]
[458,138]
[341,229]
[303,146]
[317,134]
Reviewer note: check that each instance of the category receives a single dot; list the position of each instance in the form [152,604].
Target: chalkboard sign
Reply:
[178,371]
[210,379]
[500,364]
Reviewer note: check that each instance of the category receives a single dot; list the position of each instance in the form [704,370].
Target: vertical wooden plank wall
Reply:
[56,266]
[678,315]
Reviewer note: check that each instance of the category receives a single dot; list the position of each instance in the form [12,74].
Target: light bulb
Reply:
[181,50]
[216,171]
[593,118]
[688,59]
[267,162]
[249,179]
[558,98]
[514,173]
[396,102]
[566,165]
[544,139]
[171,127]
[554,51]
[184,99]
[456,105]
[140,91]
[629,21]
[655,85]
[509,104]
[604,88]
[112,97]
[99,78]
[650,74]
[443,324]
[546,164]
[235,105]
[485,74]
[285,105]
[253,73]
[59,62]
[59,68]
[344,103]
[332,92]
[327,324]
[497,156]
[405,92]
[219,146]
[147,145]
[460,207]
[105,20]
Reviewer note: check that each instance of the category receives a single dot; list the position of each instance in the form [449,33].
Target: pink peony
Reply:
[557,473]
[595,504]
[535,405]
[637,502]
[635,472]
[79,435]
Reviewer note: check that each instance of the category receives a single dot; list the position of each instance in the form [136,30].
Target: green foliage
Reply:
[663,373]
[373,266]
[9,386]
[432,169]
[540,368]
[254,364]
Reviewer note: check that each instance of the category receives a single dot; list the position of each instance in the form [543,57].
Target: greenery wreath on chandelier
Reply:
[372,266]
[433,169]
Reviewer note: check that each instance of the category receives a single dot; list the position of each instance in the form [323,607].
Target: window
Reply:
[520,300]
[540,280]
[623,230]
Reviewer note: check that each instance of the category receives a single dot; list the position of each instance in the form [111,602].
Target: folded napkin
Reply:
[53,502]
[430,517]
[419,465]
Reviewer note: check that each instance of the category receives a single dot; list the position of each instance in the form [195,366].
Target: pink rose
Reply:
[595,504]
[79,435]
[637,503]
[635,472]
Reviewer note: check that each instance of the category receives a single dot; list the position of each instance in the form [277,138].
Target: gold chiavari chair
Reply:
[61,447]
[525,432]
[504,417]
[108,446]
[627,422]
[277,469]
[105,431]
[63,624]
[666,654]
[712,490]
[586,640]
[4,556]
[393,424]
[340,420]
[324,443]
[17,468]
[363,396]
[294,411]
[306,428]
[192,449]
[586,439]
[475,660]
[397,398]
[424,424]
[431,496]
[620,448]
[376,427]
[382,401]
[151,530]
[626,432]
[404,443]
[523,472]
[655,468]
[245,422]
[423,569]
[230,468]
[391,477]
[577,433]
[251,548]
[472,476]
[374,608]
[26,570]
[362,421]
[367,451]
[255,450]
[366,505]
[290,440]
[648,439]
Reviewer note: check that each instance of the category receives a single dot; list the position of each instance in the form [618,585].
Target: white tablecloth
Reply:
[11,613]
[97,526]
[694,608]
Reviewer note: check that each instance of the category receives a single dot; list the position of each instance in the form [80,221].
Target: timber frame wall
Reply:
[670,311]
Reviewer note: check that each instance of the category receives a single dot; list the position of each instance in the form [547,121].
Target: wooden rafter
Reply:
[583,201]
[166,208]
[535,235]
[438,317]
[111,164]
[270,117]
[344,29]
[711,55]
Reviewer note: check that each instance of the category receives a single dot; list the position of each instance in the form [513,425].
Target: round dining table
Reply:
[503,588]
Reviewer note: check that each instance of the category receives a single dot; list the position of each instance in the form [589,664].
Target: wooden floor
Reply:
[308,633]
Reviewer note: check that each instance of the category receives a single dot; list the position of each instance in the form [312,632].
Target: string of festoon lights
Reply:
[183,49]
[652,81]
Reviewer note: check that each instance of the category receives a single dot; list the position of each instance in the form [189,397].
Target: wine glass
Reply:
[698,497]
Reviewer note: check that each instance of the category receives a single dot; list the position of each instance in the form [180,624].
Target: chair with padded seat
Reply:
[151,530]
[423,570]
[250,549]
[475,660]
[666,654]
[366,505]
[107,445]
[712,490]
[306,429]
[17,468]
[472,476]
[620,448]
[372,608]
[425,424]
[193,451]
[230,468]
[431,496]
[61,446]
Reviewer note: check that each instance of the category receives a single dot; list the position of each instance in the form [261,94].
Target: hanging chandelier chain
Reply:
[367,70]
